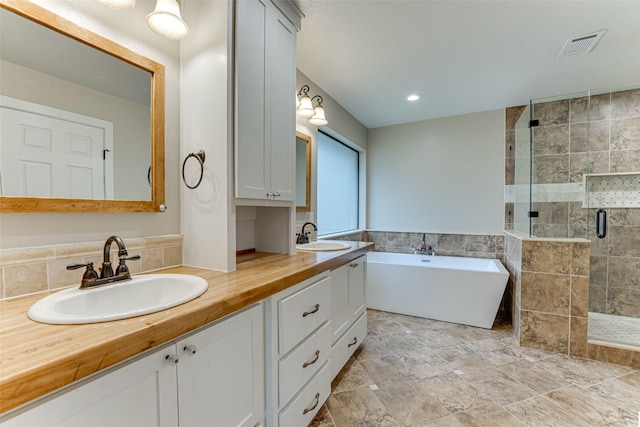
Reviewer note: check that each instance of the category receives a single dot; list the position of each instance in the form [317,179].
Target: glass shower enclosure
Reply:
[577,175]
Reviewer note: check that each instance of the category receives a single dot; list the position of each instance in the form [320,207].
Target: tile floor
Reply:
[418,372]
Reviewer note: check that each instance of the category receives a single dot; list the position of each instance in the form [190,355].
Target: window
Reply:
[338,170]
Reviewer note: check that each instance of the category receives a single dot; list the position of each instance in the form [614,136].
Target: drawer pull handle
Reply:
[315,359]
[315,404]
[315,310]
[355,341]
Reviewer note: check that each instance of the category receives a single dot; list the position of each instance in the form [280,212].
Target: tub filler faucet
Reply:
[90,277]
[424,249]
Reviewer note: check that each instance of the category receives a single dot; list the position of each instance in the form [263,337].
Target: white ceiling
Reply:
[462,56]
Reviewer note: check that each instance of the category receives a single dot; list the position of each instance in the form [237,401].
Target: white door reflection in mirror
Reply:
[47,152]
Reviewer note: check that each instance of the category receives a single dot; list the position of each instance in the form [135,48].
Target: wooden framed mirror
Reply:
[303,172]
[82,118]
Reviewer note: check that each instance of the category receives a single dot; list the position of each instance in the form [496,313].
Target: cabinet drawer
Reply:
[347,344]
[299,366]
[302,313]
[304,407]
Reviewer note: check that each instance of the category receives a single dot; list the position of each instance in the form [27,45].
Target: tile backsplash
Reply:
[37,269]
[467,245]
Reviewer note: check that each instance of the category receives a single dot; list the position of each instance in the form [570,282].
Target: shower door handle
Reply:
[601,223]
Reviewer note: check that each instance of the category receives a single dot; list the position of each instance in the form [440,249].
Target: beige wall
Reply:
[128,29]
[438,176]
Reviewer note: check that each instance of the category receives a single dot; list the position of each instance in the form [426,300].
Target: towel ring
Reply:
[199,156]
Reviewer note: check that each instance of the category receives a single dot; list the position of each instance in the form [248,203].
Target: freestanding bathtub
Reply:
[453,289]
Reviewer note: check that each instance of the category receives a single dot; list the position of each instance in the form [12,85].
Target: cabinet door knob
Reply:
[312,407]
[315,309]
[355,341]
[191,349]
[353,265]
[311,362]
[172,358]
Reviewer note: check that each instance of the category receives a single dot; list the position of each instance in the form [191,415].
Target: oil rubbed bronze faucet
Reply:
[424,250]
[90,277]
[302,236]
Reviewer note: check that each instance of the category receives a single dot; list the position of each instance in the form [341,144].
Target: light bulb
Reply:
[318,118]
[166,20]
[306,107]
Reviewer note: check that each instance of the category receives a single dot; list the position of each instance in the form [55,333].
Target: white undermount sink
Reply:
[144,294]
[323,246]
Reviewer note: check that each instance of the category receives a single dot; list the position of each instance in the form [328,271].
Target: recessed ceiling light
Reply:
[413,97]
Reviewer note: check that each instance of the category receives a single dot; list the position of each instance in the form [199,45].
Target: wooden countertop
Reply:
[37,358]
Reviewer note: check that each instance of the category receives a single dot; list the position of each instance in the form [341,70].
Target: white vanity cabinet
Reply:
[214,376]
[348,312]
[298,348]
[265,46]
[141,393]
[221,373]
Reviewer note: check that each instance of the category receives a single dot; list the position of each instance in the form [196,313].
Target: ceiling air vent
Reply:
[581,45]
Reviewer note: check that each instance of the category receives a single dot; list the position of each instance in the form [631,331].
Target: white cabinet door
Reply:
[221,373]
[250,156]
[357,287]
[347,295]
[340,308]
[265,111]
[281,124]
[141,394]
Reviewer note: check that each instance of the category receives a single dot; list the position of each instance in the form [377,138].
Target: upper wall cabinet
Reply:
[265,148]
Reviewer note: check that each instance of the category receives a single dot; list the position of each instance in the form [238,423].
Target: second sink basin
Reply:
[143,294]
[323,246]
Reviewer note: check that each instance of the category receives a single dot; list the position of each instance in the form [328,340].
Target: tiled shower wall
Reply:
[569,142]
[548,292]
[547,298]
[30,270]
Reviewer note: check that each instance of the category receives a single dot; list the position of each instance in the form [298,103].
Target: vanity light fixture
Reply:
[167,21]
[119,4]
[305,106]
[318,118]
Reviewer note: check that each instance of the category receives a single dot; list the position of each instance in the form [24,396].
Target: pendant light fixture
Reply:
[167,21]
[118,4]
[305,106]
[318,118]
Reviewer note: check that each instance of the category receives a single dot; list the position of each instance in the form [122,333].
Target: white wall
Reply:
[438,176]
[208,223]
[129,29]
